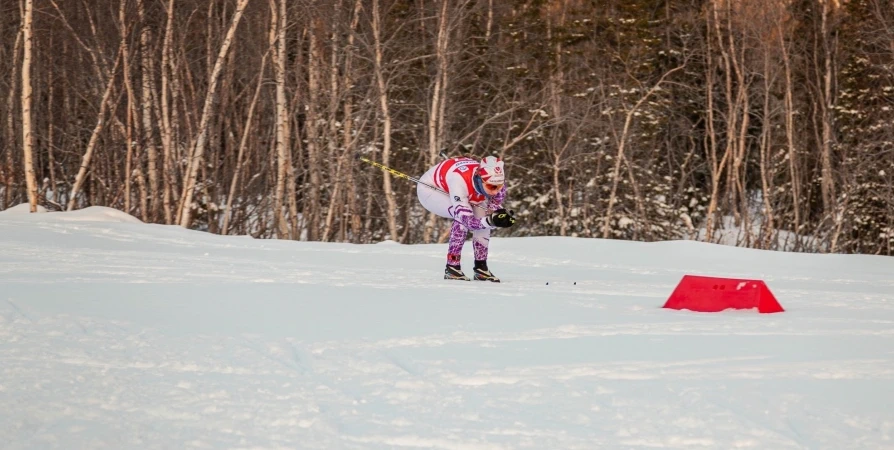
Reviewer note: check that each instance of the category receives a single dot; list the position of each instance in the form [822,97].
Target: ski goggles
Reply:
[488,189]
[492,189]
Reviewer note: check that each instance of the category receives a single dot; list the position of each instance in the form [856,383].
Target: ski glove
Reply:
[502,218]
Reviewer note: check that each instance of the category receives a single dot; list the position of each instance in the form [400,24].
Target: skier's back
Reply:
[476,191]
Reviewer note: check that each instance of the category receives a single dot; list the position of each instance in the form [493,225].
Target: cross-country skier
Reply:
[475,203]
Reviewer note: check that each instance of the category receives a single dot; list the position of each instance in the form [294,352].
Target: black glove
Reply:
[502,218]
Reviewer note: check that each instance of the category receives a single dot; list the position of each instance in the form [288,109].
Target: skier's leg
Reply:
[480,238]
[480,242]
[454,252]
[440,204]
[458,234]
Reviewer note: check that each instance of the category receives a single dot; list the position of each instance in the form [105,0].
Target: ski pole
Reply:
[414,180]
[402,175]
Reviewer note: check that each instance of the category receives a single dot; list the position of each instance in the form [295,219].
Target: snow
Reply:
[22,208]
[118,334]
[91,214]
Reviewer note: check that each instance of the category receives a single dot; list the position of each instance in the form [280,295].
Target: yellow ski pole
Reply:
[414,180]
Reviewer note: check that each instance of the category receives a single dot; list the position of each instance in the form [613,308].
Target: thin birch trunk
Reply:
[557,191]
[295,225]
[166,129]
[827,104]
[348,134]
[439,89]
[731,107]
[622,142]
[278,41]
[488,30]
[335,202]
[243,143]
[766,135]
[742,108]
[11,139]
[94,137]
[146,102]
[386,118]
[27,126]
[51,127]
[314,159]
[185,207]
[716,168]
[128,161]
[436,117]
[131,105]
[555,84]
[790,138]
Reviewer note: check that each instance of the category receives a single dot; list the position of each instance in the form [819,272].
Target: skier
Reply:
[476,191]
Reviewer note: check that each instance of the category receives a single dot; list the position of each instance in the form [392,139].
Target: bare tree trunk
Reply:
[488,30]
[27,126]
[146,99]
[436,117]
[242,144]
[827,104]
[790,137]
[622,142]
[128,160]
[185,207]
[768,228]
[10,172]
[295,225]
[131,105]
[278,43]
[178,97]
[94,137]
[391,216]
[557,190]
[555,86]
[166,128]
[314,161]
[732,111]
[740,131]
[716,167]
[51,160]
[349,139]
[338,182]
[439,89]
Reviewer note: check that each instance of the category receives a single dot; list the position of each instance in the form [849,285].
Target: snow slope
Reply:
[116,334]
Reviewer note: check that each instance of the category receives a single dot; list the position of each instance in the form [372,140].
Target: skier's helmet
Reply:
[491,175]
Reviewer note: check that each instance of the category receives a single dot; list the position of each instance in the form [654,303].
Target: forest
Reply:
[642,120]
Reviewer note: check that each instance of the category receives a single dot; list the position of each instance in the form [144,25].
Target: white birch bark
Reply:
[94,137]
[391,213]
[185,207]
[27,125]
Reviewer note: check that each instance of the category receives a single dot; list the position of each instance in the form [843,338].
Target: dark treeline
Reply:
[637,119]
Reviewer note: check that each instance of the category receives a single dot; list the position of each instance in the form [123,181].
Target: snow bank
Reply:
[20,209]
[89,214]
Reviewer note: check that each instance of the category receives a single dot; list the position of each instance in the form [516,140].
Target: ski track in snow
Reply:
[122,335]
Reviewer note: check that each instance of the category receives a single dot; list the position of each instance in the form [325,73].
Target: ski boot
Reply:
[454,273]
[482,274]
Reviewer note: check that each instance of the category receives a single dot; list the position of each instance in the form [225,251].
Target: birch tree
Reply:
[27,124]
[185,208]
[278,44]
[94,137]
[391,211]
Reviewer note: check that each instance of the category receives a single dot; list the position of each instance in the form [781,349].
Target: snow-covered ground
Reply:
[120,335]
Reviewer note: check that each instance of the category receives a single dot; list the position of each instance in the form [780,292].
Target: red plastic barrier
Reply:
[708,294]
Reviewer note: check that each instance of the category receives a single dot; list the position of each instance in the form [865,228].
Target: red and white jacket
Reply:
[455,177]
